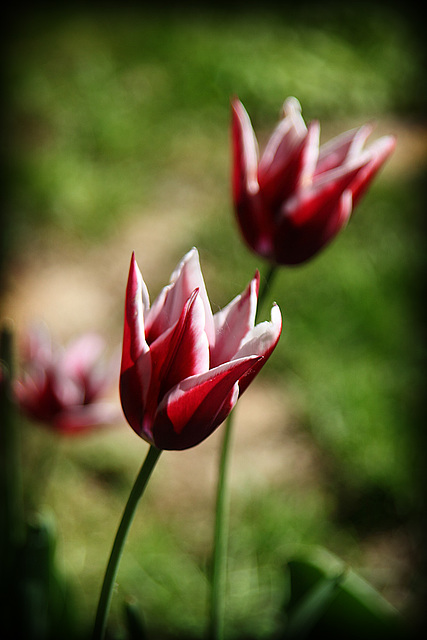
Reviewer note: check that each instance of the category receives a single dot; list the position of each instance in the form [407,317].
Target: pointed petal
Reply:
[284,177]
[134,389]
[342,148]
[134,342]
[135,371]
[252,216]
[191,410]
[184,280]
[290,131]
[245,152]
[261,341]
[183,351]
[233,323]
[310,153]
[296,243]
[380,151]
[322,196]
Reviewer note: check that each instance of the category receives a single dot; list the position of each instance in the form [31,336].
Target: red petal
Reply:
[380,150]
[135,370]
[287,135]
[167,309]
[254,220]
[134,342]
[192,410]
[134,393]
[260,341]
[341,148]
[181,352]
[317,201]
[297,243]
[245,152]
[233,323]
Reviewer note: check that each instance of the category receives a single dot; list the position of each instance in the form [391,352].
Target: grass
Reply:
[117,112]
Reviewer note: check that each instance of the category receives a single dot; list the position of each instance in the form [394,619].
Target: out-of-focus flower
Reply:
[183,368]
[297,197]
[65,388]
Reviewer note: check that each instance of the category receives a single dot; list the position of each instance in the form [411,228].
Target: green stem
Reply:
[120,539]
[219,560]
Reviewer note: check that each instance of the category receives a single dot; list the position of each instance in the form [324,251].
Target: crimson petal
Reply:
[135,372]
[192,410]
[233,323]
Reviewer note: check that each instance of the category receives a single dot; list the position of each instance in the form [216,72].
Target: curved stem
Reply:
[219,561]
[120,539]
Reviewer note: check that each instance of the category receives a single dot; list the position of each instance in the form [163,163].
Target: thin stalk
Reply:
[120,539]
[219,560]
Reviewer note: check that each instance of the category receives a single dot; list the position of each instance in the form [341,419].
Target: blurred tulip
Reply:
[64,387]
[183,368]
[298,196]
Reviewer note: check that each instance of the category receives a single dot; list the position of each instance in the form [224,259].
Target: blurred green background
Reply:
[116,124]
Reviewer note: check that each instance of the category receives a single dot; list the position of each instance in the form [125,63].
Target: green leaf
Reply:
[135,623]
[326,597]
[312,607]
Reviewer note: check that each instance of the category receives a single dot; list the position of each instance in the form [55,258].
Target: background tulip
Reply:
[297,197]
[183,368]
[64,387]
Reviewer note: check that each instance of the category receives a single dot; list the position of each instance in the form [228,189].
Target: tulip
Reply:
[183,367]
[64,387]
[298,196]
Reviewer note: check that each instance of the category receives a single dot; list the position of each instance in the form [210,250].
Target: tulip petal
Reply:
[309,154]
[181,352]
[296,243]
[322,196]
[284,179]
[380,150]
[252,216]
[135,371]
[342,148]
[261,341]
[290,131]
[191,410]
[233,322]
[134,391]
[245,148]
[167,309]
[134,342]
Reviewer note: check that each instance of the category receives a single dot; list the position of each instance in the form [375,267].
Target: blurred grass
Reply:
[110,112]
[101,104]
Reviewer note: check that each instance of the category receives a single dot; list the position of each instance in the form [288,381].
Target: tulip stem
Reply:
[219,561]
[120,539]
